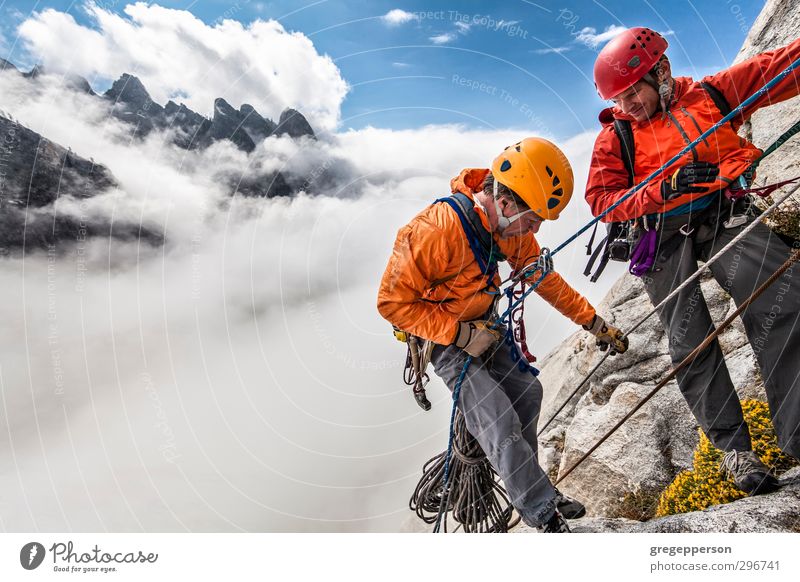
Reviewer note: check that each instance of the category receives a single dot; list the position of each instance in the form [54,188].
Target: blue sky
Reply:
[518,64]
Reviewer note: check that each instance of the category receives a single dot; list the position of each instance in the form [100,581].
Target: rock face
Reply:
[640,459]
[776,26]
[34,174]
[776,512]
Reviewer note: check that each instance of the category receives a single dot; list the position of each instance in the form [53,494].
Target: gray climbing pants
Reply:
[501,405]
[771,322]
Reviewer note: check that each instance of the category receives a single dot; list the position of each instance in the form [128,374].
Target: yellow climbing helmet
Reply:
[539,173]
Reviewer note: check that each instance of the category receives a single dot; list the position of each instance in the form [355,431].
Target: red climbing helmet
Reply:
[627,58]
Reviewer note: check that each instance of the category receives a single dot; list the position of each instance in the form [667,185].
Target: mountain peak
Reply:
[7,66]
[256,126]
[129,89]
[227,124]
[294,124]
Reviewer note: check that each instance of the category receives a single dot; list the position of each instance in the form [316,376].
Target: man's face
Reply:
[639,101]
[528,222]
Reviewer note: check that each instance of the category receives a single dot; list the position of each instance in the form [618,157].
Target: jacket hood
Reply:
[469,181]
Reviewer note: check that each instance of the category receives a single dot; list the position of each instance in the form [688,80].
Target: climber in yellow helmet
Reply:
[441,286]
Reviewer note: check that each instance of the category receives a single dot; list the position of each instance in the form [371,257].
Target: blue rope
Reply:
[445,492]
[456,394]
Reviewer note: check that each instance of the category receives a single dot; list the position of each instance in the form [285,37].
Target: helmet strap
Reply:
[503,222]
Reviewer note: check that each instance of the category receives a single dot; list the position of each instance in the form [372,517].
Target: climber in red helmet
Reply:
[690,212]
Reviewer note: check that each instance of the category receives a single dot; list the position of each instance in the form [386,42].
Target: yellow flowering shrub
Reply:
[705,485]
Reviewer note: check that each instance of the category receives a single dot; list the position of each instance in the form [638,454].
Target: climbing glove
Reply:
[685,180]
[475,337]
[607,336]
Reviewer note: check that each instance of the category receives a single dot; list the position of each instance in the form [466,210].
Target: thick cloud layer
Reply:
[179,57]
[238,378]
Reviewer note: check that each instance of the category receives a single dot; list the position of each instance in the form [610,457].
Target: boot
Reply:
[568,507]
[748,472]
[556,524]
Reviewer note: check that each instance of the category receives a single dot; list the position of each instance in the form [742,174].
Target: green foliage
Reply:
[705,485]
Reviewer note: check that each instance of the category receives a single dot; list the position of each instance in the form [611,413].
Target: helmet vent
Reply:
[505,166]
[552,203]
[519,148]
[556,181]
[549,171]
[558,192]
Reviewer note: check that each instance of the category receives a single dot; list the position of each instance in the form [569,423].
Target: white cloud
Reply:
[400,65]
[463,27]
[175,53]
[249,346]
[443,38]
[553,50]
[590,37]
[397,17]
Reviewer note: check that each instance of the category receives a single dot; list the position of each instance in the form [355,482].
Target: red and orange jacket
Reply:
[692,111]
[433,247]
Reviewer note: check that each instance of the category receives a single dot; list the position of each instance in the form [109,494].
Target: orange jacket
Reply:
[692,111]
[432,247]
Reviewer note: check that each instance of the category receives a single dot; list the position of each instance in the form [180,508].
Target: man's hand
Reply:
[475,337]
[685,180]
[608,336]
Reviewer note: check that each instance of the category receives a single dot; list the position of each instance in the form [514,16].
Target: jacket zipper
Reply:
[683,133]
[697,126]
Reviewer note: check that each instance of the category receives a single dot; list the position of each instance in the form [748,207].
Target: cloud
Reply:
[463,27]
[591,38]
[396,17]
[176,54]
[556,50]
[238,378]
[400,65]
[443,38]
